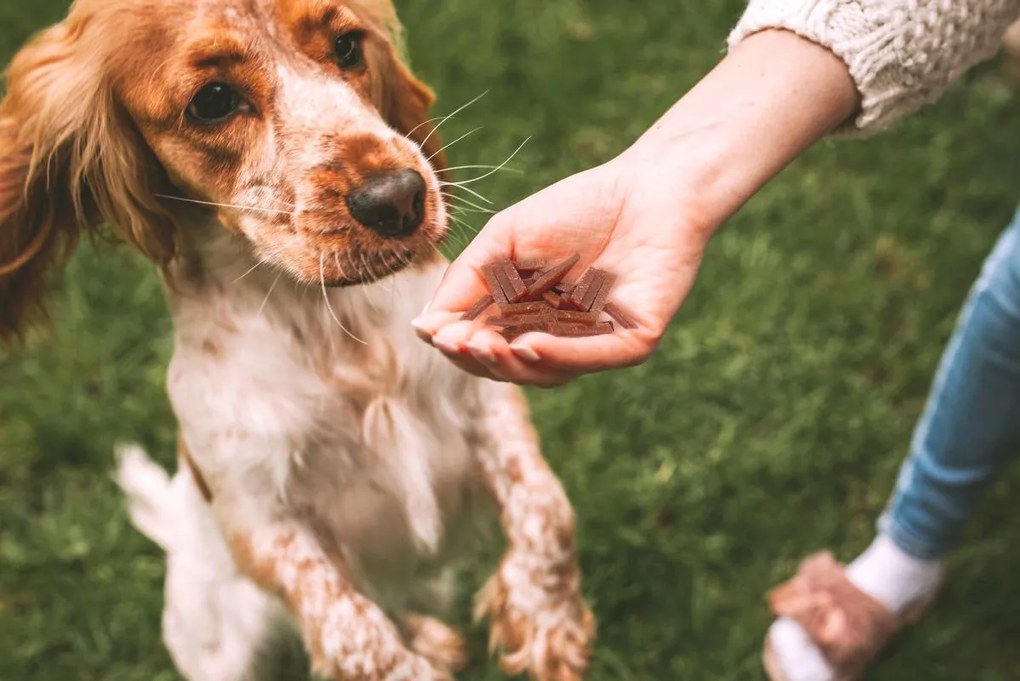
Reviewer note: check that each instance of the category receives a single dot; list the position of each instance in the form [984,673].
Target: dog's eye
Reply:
[349,49]
[215,103]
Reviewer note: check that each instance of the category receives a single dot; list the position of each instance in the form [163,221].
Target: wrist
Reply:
[766,102]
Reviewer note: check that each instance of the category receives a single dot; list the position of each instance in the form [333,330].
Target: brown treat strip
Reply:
[563,287]
[581,330]
[581,288]
[621,317]
[511,309]
[501,268]
[552,300]
[520,320]
[478,308]
[512,332]
[529,266]
[597,281]
[599,303]
[551,277]
[491,274]
[567,304]
[573,317]
[515,288]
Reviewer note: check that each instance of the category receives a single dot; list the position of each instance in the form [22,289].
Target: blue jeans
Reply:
[970,428]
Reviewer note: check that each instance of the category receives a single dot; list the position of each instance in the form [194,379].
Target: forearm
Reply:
[766,102]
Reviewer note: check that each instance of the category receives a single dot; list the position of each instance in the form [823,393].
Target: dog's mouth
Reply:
[356,267]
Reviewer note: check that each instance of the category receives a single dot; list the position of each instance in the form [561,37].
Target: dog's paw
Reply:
[433,639]
[546,632]
[356,642]
[411,668]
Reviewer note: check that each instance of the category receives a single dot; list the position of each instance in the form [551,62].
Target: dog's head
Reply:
[294,121]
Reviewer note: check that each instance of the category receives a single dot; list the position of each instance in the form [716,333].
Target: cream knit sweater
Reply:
[902,53]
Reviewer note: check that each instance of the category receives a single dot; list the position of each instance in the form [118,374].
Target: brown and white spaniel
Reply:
[274,158]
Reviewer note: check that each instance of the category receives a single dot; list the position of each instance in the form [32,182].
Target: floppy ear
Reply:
[68,161]
[405,106]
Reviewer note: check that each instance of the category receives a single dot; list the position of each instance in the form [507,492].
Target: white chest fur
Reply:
[368,440]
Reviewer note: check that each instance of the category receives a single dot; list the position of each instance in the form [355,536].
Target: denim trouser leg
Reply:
[970,428]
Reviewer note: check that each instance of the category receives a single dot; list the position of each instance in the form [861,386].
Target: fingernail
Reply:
[482,353]
[525,352]
[445,345]
[429,323]
[422,332]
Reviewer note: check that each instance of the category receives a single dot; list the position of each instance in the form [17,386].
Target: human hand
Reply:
[648,215]
[624,217]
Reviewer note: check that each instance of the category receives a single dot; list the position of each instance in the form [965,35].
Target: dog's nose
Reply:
[392,205]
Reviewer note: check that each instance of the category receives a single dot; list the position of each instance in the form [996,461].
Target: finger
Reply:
[428,323]
[483,352]
[554,354]
[463,284]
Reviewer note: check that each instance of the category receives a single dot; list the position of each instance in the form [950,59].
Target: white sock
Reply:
[893,578]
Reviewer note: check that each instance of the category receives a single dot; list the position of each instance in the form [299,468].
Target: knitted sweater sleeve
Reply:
[901,53]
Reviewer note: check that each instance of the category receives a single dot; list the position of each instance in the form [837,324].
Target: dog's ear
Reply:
[69,160]
[405,106]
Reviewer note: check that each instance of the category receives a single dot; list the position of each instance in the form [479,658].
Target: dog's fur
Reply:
[322,470]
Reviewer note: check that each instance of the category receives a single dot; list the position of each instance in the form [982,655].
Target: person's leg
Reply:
[970,429]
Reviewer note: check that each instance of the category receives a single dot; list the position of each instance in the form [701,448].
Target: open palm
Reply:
[620,218]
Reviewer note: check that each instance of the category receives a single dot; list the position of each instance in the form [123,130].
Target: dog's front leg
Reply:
[534,600]
[348,637]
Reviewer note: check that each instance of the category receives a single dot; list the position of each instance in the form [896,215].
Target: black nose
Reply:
[392,205]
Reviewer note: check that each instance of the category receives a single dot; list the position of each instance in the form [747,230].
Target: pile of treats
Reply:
[534,298]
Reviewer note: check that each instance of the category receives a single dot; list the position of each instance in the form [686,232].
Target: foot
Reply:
[543,630]
[893,578]
[436,641]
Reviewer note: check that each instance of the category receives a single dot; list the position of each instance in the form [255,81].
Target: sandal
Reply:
[848,626]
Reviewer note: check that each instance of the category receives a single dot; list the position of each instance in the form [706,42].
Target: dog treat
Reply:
[575,317]
[513,285]
[582,286]
[589,287]
[534,298]
[511,309]
[519,320]
[580,330]
[621,317]
[509,281]
[529,266]
[553,300]
[512,332]
[491,274]
[551,276]
[479,307]
[599,302]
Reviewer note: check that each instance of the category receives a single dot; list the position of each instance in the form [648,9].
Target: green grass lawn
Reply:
[770,423]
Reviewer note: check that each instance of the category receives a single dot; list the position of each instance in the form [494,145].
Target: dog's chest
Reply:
[370,442]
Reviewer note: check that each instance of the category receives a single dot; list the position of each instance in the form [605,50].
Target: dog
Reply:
[274,159]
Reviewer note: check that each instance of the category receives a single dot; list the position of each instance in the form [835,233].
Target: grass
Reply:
[770,423]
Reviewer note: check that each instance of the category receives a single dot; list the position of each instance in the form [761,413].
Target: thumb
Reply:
[462,283]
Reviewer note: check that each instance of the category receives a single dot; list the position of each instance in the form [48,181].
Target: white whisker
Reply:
[467,226]
[491,172]
[325,298]
[250,270]
[224,205]
[473,167]
[392,278]
[469,190]
[272,288]
[477,208]
[447,146]
[446,118]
